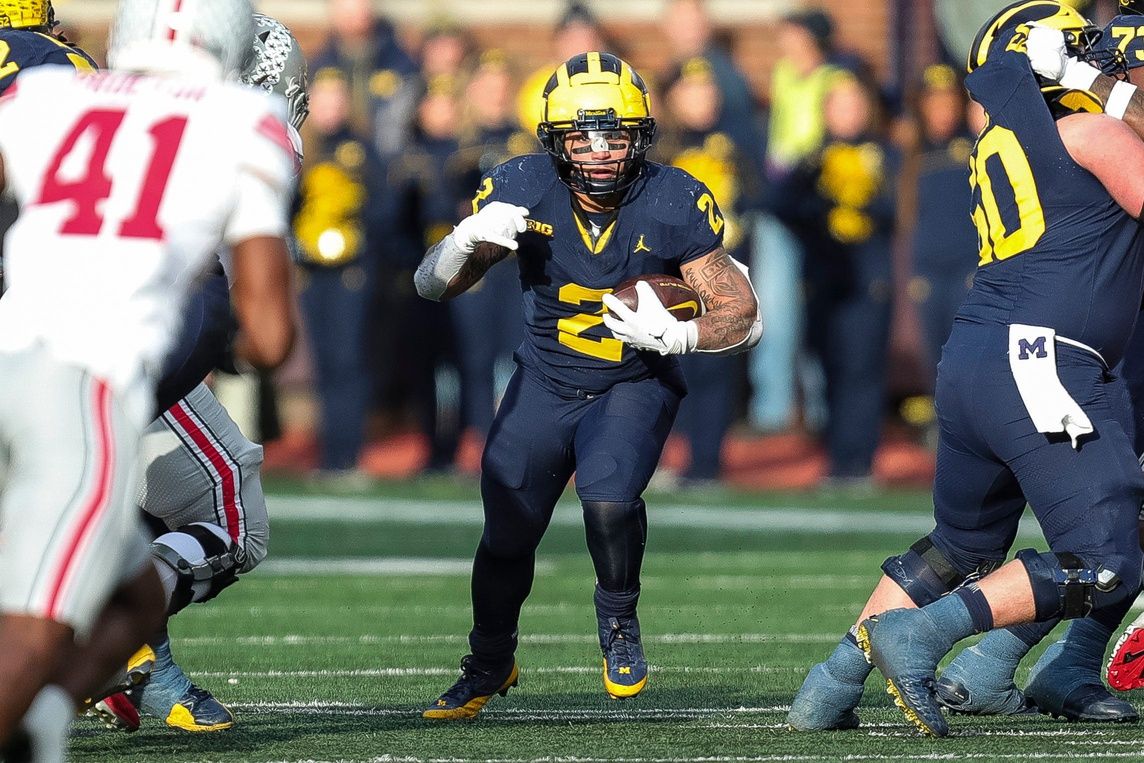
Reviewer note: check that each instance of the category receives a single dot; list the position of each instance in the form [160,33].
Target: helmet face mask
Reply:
[597,126]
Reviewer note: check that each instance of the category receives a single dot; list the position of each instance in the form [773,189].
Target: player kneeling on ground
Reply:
[596,386]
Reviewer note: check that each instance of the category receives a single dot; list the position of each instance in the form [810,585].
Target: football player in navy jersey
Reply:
[1029,412]
[27,40]
[596,388]
[1066,681]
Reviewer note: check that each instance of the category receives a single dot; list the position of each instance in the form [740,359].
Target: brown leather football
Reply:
[680,299]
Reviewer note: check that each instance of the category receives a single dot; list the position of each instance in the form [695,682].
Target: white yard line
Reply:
[751,758]
[781,518]
[533,638]
[368,510]
[441,671]
[297,565]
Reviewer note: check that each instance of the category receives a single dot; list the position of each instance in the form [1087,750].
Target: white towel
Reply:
[1033,361]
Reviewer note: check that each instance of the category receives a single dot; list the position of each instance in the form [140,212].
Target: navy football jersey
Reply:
[1055,249]
[1126,33]
[668,218]
[22,49]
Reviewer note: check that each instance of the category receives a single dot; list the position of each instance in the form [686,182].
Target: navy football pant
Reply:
[991,461]
[203,342]
[539,438]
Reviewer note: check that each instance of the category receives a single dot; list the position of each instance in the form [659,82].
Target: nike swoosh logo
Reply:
[1132,656]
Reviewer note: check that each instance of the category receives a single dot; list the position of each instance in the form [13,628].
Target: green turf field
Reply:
[328,651]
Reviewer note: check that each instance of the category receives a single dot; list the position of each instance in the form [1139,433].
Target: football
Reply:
[680,299]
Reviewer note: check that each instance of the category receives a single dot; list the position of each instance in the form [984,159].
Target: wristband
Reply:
[1119,99]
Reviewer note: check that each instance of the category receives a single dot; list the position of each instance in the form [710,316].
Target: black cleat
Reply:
[1089,702]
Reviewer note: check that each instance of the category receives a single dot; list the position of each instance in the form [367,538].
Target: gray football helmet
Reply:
[278,66]
[191,37]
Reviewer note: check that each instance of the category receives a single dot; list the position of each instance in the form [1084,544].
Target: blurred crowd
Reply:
[851,208]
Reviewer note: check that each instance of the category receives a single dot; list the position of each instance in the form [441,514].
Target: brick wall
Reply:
[862,26]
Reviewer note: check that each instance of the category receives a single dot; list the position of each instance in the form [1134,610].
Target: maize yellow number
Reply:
[568,330]
[998,243]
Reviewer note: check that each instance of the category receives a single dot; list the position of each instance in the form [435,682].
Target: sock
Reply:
[1085,641]
[1033,633]
[847,662]
[951,618]
[499,587]
[1005,646]
[618,604]
[977,606]
[166,673]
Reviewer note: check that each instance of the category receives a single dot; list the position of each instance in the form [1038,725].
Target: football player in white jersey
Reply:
[127,182]
[201,486]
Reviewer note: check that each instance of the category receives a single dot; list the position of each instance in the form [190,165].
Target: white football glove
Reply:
[497,223]
[1048,57]
[650,326]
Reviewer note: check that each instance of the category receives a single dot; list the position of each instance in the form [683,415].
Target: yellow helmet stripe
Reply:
[594,63]
[1063,17]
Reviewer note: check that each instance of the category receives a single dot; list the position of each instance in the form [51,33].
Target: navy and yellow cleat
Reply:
[193,709]
[472,691]
[198,711]
[894,642]
[625,667]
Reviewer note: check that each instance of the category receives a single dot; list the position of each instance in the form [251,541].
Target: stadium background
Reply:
[897,39]
[328,651]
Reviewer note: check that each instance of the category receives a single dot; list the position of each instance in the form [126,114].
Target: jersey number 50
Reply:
[94,186]
[999,145]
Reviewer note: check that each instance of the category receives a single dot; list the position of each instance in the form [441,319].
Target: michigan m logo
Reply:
[1036,347]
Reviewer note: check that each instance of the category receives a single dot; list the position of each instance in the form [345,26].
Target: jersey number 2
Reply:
[87,190]
[569,329]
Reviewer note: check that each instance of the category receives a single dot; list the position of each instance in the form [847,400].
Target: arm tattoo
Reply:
[728,297]
[1134,115]
[483,257]
[718,275]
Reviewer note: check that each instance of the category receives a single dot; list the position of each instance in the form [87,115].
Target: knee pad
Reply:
[926,574]
[1065,586]
[204,561]
[616,533]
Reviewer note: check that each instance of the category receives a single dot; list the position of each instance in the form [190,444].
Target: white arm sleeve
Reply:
[441,264]
[264,179]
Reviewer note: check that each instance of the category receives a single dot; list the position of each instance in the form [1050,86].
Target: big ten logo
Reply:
[544,229]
